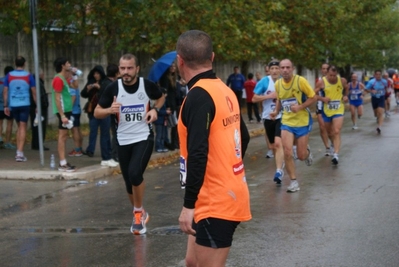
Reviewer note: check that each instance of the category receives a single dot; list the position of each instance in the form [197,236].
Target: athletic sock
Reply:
[63,162]
[137,209]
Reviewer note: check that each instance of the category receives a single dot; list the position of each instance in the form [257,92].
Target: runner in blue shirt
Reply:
[377,88]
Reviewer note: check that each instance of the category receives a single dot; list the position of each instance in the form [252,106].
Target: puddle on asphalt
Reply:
[165,230]
[42,199]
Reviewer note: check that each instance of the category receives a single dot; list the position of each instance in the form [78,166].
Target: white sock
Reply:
[63,162]
[137,209]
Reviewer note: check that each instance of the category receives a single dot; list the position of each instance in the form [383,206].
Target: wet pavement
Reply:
[342,216]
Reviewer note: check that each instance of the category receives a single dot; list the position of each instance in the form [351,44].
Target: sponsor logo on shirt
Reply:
[133,108]
[238,168]
[231,119]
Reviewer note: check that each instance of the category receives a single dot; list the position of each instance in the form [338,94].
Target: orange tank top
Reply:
[395,79]
[224,193]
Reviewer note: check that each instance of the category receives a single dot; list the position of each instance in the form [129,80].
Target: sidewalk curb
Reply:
[85,173]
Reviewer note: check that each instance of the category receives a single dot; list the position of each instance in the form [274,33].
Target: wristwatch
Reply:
[157,109]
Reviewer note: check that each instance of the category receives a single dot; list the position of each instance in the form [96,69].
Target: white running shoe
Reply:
[328,152]
[269,154]
[109,163]
[354,127]
[294,153]
[335,159]
[309,159]
[293,187]
[140,219]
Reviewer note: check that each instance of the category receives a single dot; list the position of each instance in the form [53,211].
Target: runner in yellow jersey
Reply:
[294,96]
[335,94]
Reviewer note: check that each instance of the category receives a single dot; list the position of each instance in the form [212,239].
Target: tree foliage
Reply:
[307,31]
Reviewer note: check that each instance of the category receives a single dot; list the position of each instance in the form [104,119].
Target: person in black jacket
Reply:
[44,110]
[169,82]
[92,91]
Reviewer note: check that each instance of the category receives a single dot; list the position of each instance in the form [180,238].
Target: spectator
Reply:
[169,82]
[76,112]
[112,75]
[62,107]
[161,129]
[33,112]
[236,83]
[17,85]
[93,90]
[249,86]
[7,144]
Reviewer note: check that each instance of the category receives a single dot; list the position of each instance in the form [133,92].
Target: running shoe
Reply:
[293,187]
[328,152]
[75,153]
[354,127]
[334,160]
[140,218]
[109,163]
[269,154]
[294,153]
[278,176]
[309,159]
[10,146]
[378,130]
[20,158]
[66,168]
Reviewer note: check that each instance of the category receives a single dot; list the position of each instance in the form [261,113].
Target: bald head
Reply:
[195,48]
[287,69]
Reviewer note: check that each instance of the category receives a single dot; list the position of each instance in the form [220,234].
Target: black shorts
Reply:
[133,160]
[378,102]
[215,233]
[76,120]
[273,129]
[4,116]
[68,115]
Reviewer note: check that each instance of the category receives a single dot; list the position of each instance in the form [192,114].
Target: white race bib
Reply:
[287,103]
[334,105]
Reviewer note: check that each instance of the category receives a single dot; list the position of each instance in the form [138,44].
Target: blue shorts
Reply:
[298,131]
[378,102]
[20,114]
[330,119]
[76,120]
[356,103]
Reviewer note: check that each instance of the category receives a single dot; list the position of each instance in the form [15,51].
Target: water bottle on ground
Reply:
[52,162]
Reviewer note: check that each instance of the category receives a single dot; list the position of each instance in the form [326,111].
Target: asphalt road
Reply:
[342,216]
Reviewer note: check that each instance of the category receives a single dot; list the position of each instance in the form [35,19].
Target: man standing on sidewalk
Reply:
[7,141]
[236,82]
[249,86]
[62,107]
[294,96]
[129,99]
[44,105]
[17,85]
[211,169]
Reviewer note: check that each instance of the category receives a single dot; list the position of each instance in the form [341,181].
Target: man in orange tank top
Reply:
[213,139]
